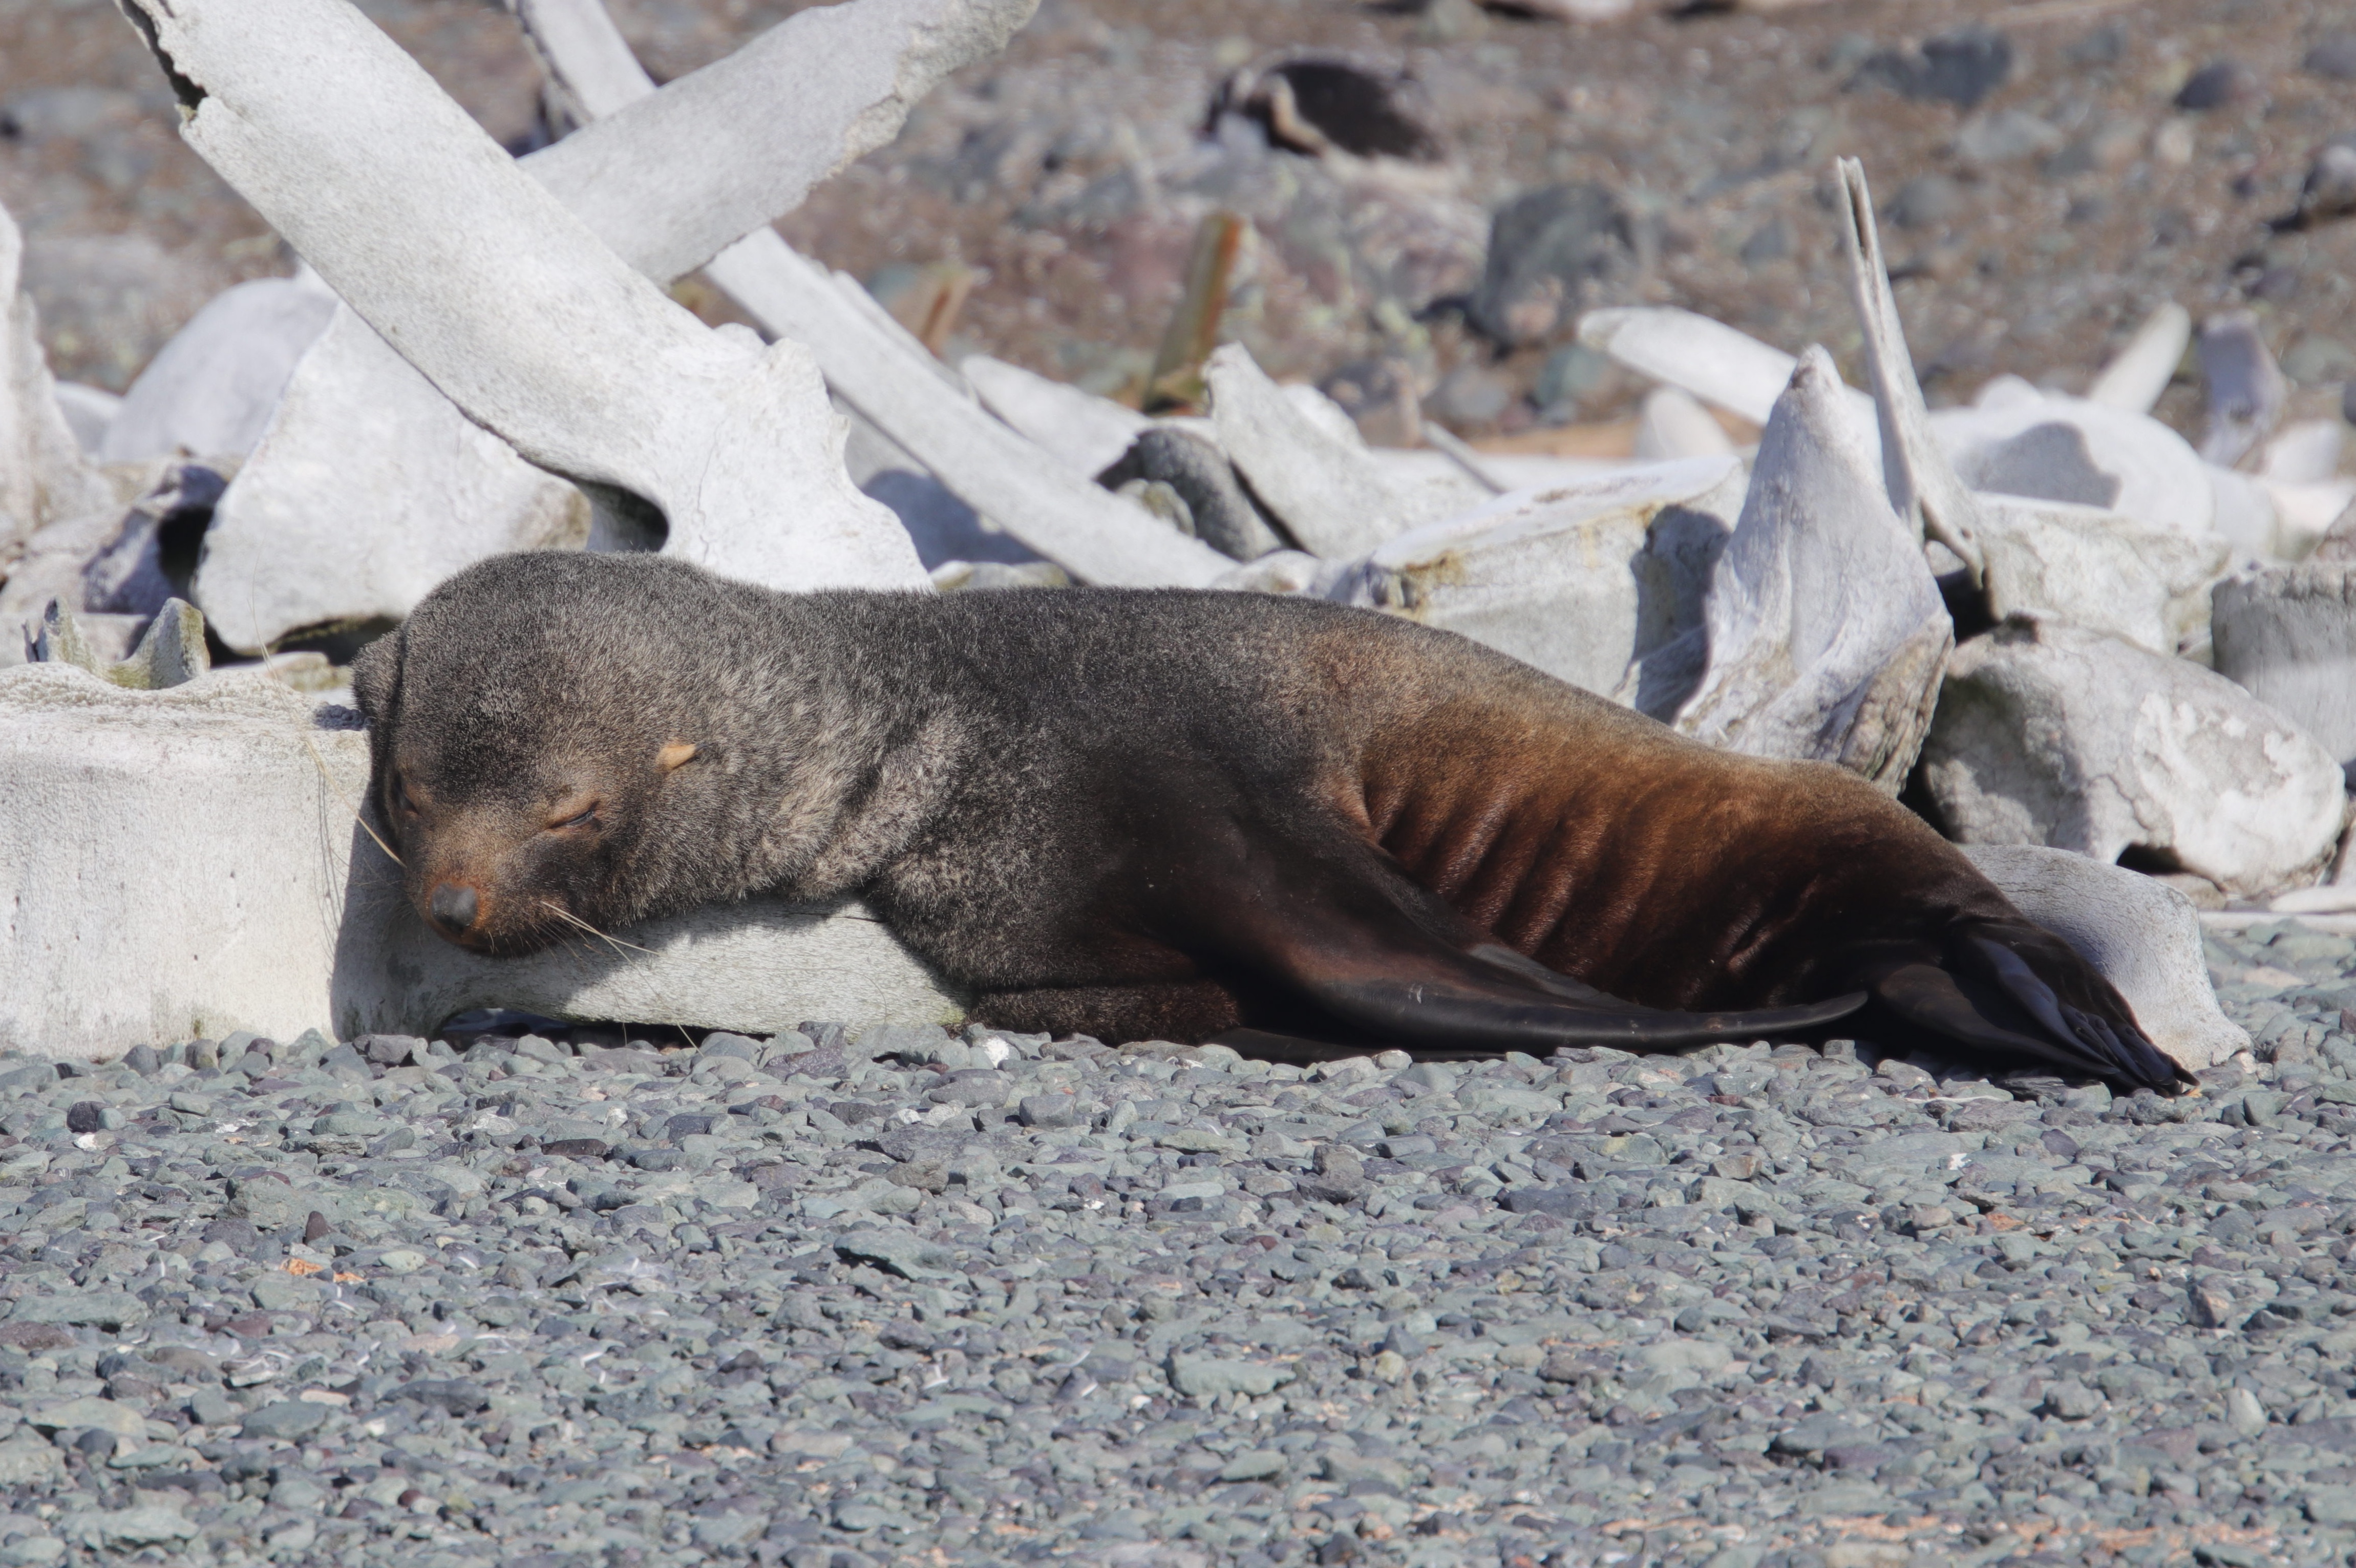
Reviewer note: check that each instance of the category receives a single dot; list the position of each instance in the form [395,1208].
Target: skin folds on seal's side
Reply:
[1167,815]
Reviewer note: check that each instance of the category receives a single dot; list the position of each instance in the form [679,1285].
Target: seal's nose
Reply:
[454,905]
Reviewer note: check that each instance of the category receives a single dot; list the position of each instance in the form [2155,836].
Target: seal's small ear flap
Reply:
[375,672]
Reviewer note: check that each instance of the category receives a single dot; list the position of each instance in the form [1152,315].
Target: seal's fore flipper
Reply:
[1352,935]
[2017,993]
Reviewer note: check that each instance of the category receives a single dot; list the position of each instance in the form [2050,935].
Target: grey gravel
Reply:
[866,1296]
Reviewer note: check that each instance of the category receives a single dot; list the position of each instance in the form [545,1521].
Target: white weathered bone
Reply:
[89,410]
[1086,433]
[2021,441]
[871,362]
[210,391]
[1827,632]
[44,475]
[1552,576]
[242,895]
[510,305]
[2140,933]
[670,179]
[1716,363]
[369,487]
[876,368]
[2141,370]
[444,465]
[2099,569]
[1922,486]
[1673,424]
[2053,734]
[1327,495]
[2288,636]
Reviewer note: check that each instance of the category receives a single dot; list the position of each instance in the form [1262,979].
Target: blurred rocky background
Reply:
[2049,173]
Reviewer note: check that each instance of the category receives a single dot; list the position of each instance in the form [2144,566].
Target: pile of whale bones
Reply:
[2155,645]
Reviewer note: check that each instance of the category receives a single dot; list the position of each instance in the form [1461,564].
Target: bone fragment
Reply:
[1924,488]
[1576,580]
[1713,361]
[2140,933]
[1673,425]
[2055,735]
[2140,372]
[670,179]
[1826,634]
[211,390]
[44,475]
[2100,570]
[1327,495]
[870,360]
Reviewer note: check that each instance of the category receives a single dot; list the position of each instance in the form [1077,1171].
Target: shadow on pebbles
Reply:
[858,1297]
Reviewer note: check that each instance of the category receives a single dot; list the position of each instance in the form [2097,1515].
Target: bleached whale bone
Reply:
[1826,633]
[240,893]
[509,304]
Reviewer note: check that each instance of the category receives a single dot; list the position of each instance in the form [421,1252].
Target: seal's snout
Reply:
[454,907]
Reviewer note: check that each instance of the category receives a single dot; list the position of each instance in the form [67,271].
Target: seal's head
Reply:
[537,757]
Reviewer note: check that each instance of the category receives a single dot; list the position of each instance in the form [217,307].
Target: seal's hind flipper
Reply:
[1379,953]
[2014,991]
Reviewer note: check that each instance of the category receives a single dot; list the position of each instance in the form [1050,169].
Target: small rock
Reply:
[1338,1176]
[1926,202]
[2218,85]
[1203,1376]
[285,1421]
[2333,58]
[456,1396]
[1548,251]
[1961,67]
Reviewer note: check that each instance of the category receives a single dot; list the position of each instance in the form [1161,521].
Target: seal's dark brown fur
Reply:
[1169,813]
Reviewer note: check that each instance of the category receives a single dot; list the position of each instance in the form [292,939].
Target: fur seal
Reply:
[1169,814]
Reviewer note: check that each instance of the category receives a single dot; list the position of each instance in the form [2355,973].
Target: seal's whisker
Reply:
[562,913]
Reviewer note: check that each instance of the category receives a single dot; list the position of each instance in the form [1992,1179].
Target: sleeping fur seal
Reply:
[1168,814]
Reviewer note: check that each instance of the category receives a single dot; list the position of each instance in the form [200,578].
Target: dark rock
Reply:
[1926,202]
[286,1421]
[2218,85]
[2333,58]
[1338,1176]
[1960,68]
[456,1396]
[1219,510]
[578,1148]
[143,1060]
[85,1116]
[390,1050]
[1566,1201]
[1549,252]
[689,1124]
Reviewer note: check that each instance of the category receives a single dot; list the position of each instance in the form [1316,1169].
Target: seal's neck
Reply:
[860,752]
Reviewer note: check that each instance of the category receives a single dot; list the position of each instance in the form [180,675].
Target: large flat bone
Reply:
[2053,734]
[509,305]
[186,862]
